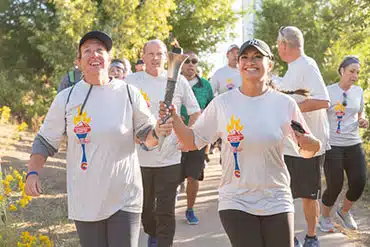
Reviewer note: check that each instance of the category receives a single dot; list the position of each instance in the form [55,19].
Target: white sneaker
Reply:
[346,219]
[326,224]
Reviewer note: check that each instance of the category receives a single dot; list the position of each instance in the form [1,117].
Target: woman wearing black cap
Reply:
[346,116]
[255,201]
[100,117]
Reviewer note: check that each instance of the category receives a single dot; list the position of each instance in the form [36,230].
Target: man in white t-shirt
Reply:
[303,72]
[161,169]
[227,77]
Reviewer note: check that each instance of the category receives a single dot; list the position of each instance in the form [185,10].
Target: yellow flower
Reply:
[21,127]
[12,207]
[5,114]
[7,190]
[1,199]
[5,182]
[9,178]
[21,185]
[23,202]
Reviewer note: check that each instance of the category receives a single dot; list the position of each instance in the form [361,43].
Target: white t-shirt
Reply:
[225,79]
[261,186]
[343,120]
[103,172]
[193,81]
[303,73]
[153,89]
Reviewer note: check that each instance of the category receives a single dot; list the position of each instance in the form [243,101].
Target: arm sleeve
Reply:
[206,127]
[144,121]
[42,147]
[188,97]
[314,82]
[52,130]
[214,84]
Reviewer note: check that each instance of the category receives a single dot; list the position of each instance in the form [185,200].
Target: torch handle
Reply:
[170,90]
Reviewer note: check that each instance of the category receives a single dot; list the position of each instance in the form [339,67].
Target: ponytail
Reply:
[301,91]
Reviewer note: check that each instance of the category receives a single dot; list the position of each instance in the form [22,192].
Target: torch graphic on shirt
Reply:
[229,84]
[146,97]
[82,129]
[234,128]
[339,112]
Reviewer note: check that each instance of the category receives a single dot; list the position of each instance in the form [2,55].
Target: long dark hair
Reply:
[301,91]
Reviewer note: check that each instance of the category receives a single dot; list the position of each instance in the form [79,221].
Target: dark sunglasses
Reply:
[193,61]
[344,102]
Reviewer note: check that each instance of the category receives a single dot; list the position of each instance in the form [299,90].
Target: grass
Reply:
[46,214]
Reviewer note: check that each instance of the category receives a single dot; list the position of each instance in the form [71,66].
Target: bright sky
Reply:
[219,59]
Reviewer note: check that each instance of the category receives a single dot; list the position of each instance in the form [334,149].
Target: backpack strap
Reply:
[129,95]
[71,78]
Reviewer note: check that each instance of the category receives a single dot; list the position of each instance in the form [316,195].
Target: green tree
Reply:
[39,38]
[332,29]
[200,24]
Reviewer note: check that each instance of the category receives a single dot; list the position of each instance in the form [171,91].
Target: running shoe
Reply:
[326,224]
[190,217]
[152,242]
[297,243]
[311,242]
[346,219]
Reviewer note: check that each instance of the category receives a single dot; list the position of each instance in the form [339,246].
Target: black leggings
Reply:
[350,159]
[247,230]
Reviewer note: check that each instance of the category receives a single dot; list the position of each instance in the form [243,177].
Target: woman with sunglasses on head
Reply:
[255,200]
[346,116]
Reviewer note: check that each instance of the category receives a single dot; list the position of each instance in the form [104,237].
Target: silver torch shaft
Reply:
[175,61]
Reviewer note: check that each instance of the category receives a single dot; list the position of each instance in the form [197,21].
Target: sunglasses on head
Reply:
[193,61]
[344,102]
[281,29]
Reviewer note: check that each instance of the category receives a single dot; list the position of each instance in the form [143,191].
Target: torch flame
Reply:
[339,107]
[175,43]
[234,125]
[81,117]
[145,95]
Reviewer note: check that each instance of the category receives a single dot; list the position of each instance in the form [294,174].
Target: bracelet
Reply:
[155,134]
[31,173]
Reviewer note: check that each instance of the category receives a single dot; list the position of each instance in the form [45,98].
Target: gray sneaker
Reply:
[297,243]
[311,242]
[326,224]
[346,219]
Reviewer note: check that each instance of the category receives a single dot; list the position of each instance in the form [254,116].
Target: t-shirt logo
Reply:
[339,112]
[234,128]
[229,84]
[82,129]
[146,97]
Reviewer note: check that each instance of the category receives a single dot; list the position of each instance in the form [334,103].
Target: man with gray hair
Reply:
[303,72]
[160,168]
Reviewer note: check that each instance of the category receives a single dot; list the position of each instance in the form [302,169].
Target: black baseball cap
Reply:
[99,35]
[260,45]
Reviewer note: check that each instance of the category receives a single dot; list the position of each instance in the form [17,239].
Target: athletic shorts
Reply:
[305,176]
[193,163]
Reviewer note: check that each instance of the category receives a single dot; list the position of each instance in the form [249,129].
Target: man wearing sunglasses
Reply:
[303,72]
[193,161]
[227,77]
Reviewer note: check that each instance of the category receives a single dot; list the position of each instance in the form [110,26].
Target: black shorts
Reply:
[305,176]
[193,164]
